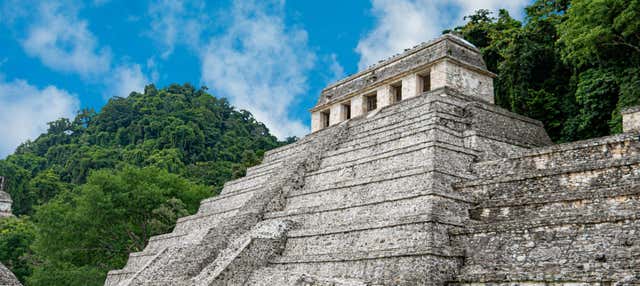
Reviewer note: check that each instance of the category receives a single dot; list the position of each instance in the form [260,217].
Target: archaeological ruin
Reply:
[5,201]
[412,176]
[6,277]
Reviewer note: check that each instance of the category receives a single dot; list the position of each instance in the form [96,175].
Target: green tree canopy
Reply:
[93,228]
[570,64]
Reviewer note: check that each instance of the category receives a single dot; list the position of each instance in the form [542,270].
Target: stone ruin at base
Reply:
[5,201]
[6,277]
[413,176]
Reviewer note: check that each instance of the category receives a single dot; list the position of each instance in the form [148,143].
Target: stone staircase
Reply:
[225,221]
[380,206]
[562,214]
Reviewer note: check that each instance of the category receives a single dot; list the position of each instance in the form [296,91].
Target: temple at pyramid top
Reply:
[448,61]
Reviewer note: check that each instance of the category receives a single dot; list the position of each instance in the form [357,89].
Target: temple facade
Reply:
[448,61]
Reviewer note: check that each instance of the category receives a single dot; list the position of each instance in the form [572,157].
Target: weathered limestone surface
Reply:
[631,119]
[7,278]
[440,188]
[561,214]
[5,200]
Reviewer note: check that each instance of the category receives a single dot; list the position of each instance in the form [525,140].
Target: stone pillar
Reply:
[439,75]
[631,119]
[316,121]
[335,116]
[357,105]
[384,95]
[410,86]
[466,81]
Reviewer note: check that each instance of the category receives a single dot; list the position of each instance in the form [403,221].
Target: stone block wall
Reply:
[564,215]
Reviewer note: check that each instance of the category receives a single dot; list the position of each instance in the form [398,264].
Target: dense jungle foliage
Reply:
[571,64]
[93,189]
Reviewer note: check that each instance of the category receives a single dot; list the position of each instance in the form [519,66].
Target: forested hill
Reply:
[94,188]
[178,129]
[571,64]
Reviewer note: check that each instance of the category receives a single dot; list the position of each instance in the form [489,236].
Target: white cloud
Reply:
[125,79]
[176,21]
[260,64]
[25,109]
[64,43]
[337,71]
[402,24]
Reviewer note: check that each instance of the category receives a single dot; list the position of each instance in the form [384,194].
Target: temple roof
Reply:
[447,46]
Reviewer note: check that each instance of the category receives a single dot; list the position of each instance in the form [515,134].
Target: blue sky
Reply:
[271,57]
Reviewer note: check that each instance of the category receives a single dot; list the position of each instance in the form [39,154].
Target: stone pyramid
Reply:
[412,176]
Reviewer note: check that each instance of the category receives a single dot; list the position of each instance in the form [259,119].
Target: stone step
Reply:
[381,126]
[115,277]
[269,276]
[292,149]
[561,155]
[336,227]
[426,133]
[226,202]
[393,184]
[445,120]
[159,242]
[170,282]
[397,267]
[359,240]
[426,207]
[597,174]
[200,222]
[612,200]
[429,154]
[265,167]
[248,182]
[347,254]
[396,131]
[401,112]
[137,260]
